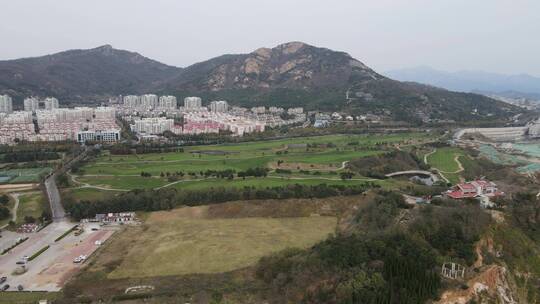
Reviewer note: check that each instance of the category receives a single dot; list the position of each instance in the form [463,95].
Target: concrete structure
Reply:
[534,129]
[192,103]
[51,103]
[31,104]
[219,106]
[6,104]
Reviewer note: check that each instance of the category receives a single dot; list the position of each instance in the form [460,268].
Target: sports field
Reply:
[321,153]
[185,241]
[29,175]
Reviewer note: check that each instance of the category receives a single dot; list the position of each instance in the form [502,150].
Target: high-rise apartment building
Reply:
[6,104]
[220,106]
[31,104]
[149,101]
[192,103]
[167,102]
[51,103]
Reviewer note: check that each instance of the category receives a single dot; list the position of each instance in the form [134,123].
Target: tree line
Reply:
[168,198]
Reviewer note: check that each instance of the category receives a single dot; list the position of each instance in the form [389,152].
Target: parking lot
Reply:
[51,269]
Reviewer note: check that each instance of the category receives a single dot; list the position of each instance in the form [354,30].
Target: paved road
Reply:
[57,210]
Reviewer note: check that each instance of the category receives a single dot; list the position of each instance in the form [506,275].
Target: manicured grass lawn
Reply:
[443,159]
[124,182]
[91,194]
[175,245]
[31,204]
[248,155]
[133,182]
[126,169]
[261,183]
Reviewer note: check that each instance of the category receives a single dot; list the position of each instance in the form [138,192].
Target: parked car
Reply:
[20,263]
[3,279]
[5,287]
[95,229]
[20,288]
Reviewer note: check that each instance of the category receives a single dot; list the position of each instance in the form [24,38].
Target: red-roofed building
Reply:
[474,189]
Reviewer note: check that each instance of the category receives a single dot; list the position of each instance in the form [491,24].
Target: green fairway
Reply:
[123,182]
[444,159]
[128,182]
[325,153]
[91,194]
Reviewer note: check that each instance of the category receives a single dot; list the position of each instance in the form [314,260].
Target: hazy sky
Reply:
[492,35]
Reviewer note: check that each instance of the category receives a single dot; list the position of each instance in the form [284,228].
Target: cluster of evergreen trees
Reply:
[377,259]
[392,268]
[255,172]
[126,149]
[164,199]
[4,211]
[29,156]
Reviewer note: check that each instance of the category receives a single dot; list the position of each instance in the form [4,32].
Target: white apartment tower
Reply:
[192,103]
[31,104]
[220,106]
[149,101]
[51,103]
[6,104]
[167,102]
[131,101]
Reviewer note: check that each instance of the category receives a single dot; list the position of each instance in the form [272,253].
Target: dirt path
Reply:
[428,154]
[87,185]
[440,172]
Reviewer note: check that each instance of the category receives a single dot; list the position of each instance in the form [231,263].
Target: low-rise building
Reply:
[474,189]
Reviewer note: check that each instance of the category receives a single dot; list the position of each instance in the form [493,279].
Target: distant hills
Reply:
[471,81]
[83,74]
[290,74]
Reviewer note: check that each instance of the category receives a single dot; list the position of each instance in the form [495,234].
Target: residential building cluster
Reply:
[199,119]
[51,123]
[154,125]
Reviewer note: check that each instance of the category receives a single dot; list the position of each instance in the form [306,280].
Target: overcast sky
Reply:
[492,35]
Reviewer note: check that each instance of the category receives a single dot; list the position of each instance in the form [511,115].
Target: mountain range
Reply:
[471,81]
[290,74]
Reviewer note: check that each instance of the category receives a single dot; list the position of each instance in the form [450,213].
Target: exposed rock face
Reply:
[289,65]
[490,283]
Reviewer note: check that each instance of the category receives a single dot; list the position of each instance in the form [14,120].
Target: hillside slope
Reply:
[290,74]
[79,75]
